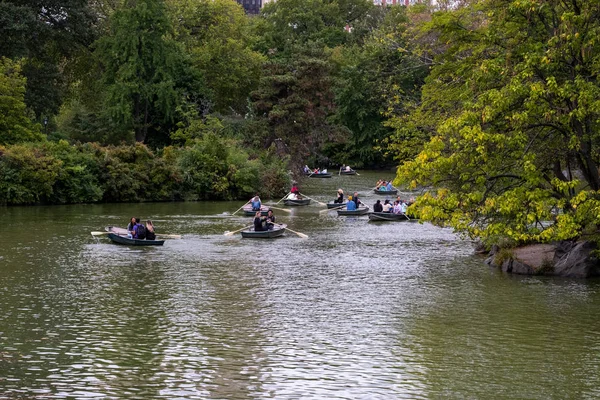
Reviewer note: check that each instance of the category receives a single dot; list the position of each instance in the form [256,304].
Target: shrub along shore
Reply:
[210,169]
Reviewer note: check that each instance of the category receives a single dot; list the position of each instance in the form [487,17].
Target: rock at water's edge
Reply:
[579,262]
[566,259]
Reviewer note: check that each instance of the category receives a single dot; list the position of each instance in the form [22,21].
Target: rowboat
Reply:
[119,235]
[386,192]
[303,202]
[134,242]
[358,211]
[277,231]
[320,175]
[348,172]
[251,213]
[331,204]
[386,216]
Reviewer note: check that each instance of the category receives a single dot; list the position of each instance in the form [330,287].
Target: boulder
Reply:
[578,262]
[517,267]
[567,259]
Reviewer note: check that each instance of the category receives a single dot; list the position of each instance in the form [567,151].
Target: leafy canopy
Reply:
[515,151]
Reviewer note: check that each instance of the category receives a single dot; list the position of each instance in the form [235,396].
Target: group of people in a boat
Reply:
[137,230]
[340,199]
[264,223]
[399,206]
[352,202]
[384,185]
[308,171]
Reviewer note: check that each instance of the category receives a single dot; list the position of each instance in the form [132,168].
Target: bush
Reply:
[28,174]
[210,168]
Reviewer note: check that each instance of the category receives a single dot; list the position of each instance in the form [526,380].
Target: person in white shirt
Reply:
[387,207]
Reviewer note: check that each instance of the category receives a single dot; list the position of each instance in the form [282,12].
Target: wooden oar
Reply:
[302,235]
[242,206]
[165,235]
[283,198]
[316,201]
[99,233]
[331,209]
[280,209]
[231,233]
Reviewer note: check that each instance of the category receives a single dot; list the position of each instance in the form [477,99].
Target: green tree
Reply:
[47,35]
[287,24]
[518,110]
[296,98]
[141,67]
[15,125]
[377,82]
[218,37]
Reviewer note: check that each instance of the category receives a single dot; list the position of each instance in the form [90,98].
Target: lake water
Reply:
[359,310]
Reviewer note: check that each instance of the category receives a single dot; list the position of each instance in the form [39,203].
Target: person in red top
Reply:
[295,189]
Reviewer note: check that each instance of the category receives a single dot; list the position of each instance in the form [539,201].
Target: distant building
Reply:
[254,6]
[251,6]
[396,2]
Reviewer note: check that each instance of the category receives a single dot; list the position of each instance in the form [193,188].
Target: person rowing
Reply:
[256,203]
[258,222]
[150,234]
[340,197]
[295,189]
[377,207]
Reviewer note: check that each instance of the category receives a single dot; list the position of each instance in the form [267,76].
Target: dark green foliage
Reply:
[296,98]
[210,168]
[286,24]
[28,174]
[141,65]
[46,34]
[15,125]
[376,82]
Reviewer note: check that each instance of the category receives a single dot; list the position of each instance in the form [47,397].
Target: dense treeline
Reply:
[307,81]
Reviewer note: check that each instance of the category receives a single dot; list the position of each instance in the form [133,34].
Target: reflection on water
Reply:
[358,310]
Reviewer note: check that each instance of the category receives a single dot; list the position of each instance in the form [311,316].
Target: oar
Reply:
[302,235]
[283,198]
[99,233]
[168,236]
[340,171]
[331,209]
[280,209]
[316,201]
[231,233]
[241,207]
